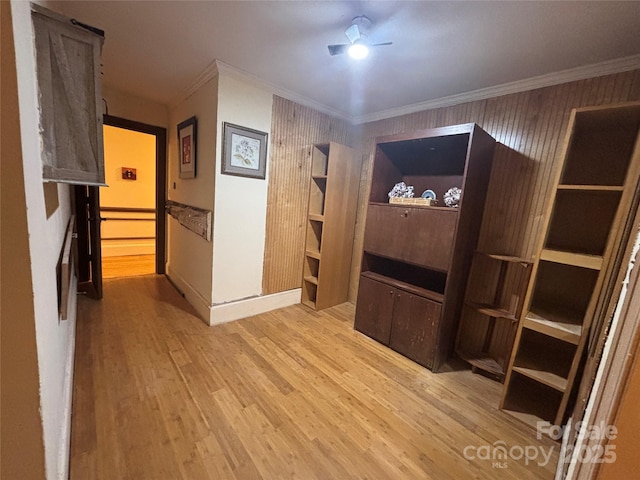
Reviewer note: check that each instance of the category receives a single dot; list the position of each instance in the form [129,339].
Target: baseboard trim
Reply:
[64,443]
[197,301]
[228,312]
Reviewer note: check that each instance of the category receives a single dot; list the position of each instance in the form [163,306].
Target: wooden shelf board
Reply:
[423,292]
[556,325]
[483,362]
[398,205]
[548,378]
[316,217]
[529,419]
[309,303]
[311,279]
[492,311]
[593,262]
[592,188]
[319,177]
[530,401]
[506,258]
[311,254]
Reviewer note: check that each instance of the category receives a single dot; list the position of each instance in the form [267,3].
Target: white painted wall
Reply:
[222,279]
[48,211]
[127,148]
[124,105]
[190,257]
[241,203]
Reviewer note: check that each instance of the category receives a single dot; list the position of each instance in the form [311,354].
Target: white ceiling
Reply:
[156,49]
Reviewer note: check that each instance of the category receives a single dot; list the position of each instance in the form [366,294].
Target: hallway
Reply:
[288,394]
[128,266]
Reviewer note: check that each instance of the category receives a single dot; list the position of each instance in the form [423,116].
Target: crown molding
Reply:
[571,75]
[207,74]
[218,67]
[225,68]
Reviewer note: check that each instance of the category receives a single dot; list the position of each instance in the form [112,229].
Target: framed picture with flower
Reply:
[244,152]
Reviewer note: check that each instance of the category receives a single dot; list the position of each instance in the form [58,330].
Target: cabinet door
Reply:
[418,235]
[375,309]
[70,95]
[414,327]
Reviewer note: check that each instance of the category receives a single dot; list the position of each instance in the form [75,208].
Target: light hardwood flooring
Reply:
[128,266]
[288,394]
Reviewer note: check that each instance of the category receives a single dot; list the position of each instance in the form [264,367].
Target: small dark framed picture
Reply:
[187,138]
[244,151]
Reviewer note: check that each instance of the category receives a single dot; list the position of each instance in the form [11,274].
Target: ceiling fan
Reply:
[357,33]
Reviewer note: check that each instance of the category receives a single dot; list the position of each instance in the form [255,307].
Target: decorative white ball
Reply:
[452,197]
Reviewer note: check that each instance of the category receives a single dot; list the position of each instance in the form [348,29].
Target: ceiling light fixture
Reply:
[358,51]
[358,35]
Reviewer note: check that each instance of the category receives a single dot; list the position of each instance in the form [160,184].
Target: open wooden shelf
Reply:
[492,310]
[546,360]
[316,197]
[482,361]
[592,188]
[494,302]
[507,258]
[309,293]
[561,325]
[308,303]
[593,203]
[594,262]
[311,254]
[562,292]
[542,376]
[531,401]
[311,279]
[333,192]
[601,137]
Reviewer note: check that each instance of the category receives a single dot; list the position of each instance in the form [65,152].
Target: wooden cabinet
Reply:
[374,318]
[422,254]
[595,197]
[70,95]
[414,318]
[421,247]
[330,225]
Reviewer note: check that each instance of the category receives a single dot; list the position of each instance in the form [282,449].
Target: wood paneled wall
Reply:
[294,130]
[529,127]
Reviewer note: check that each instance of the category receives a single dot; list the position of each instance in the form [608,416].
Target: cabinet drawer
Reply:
[421,236]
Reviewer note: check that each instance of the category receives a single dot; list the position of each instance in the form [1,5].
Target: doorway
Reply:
[89,210]
[127,205]
[132,209]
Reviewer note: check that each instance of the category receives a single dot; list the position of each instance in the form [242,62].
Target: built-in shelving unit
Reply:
[594,196]
[492,307]
[330,225]
[416,259]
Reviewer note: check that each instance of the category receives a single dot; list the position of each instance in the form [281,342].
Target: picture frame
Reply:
[187,143]
[244,151]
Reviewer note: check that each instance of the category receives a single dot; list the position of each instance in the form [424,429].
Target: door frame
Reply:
[161,180]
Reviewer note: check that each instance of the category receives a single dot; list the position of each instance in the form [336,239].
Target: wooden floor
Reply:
[128,266]
[288,394]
